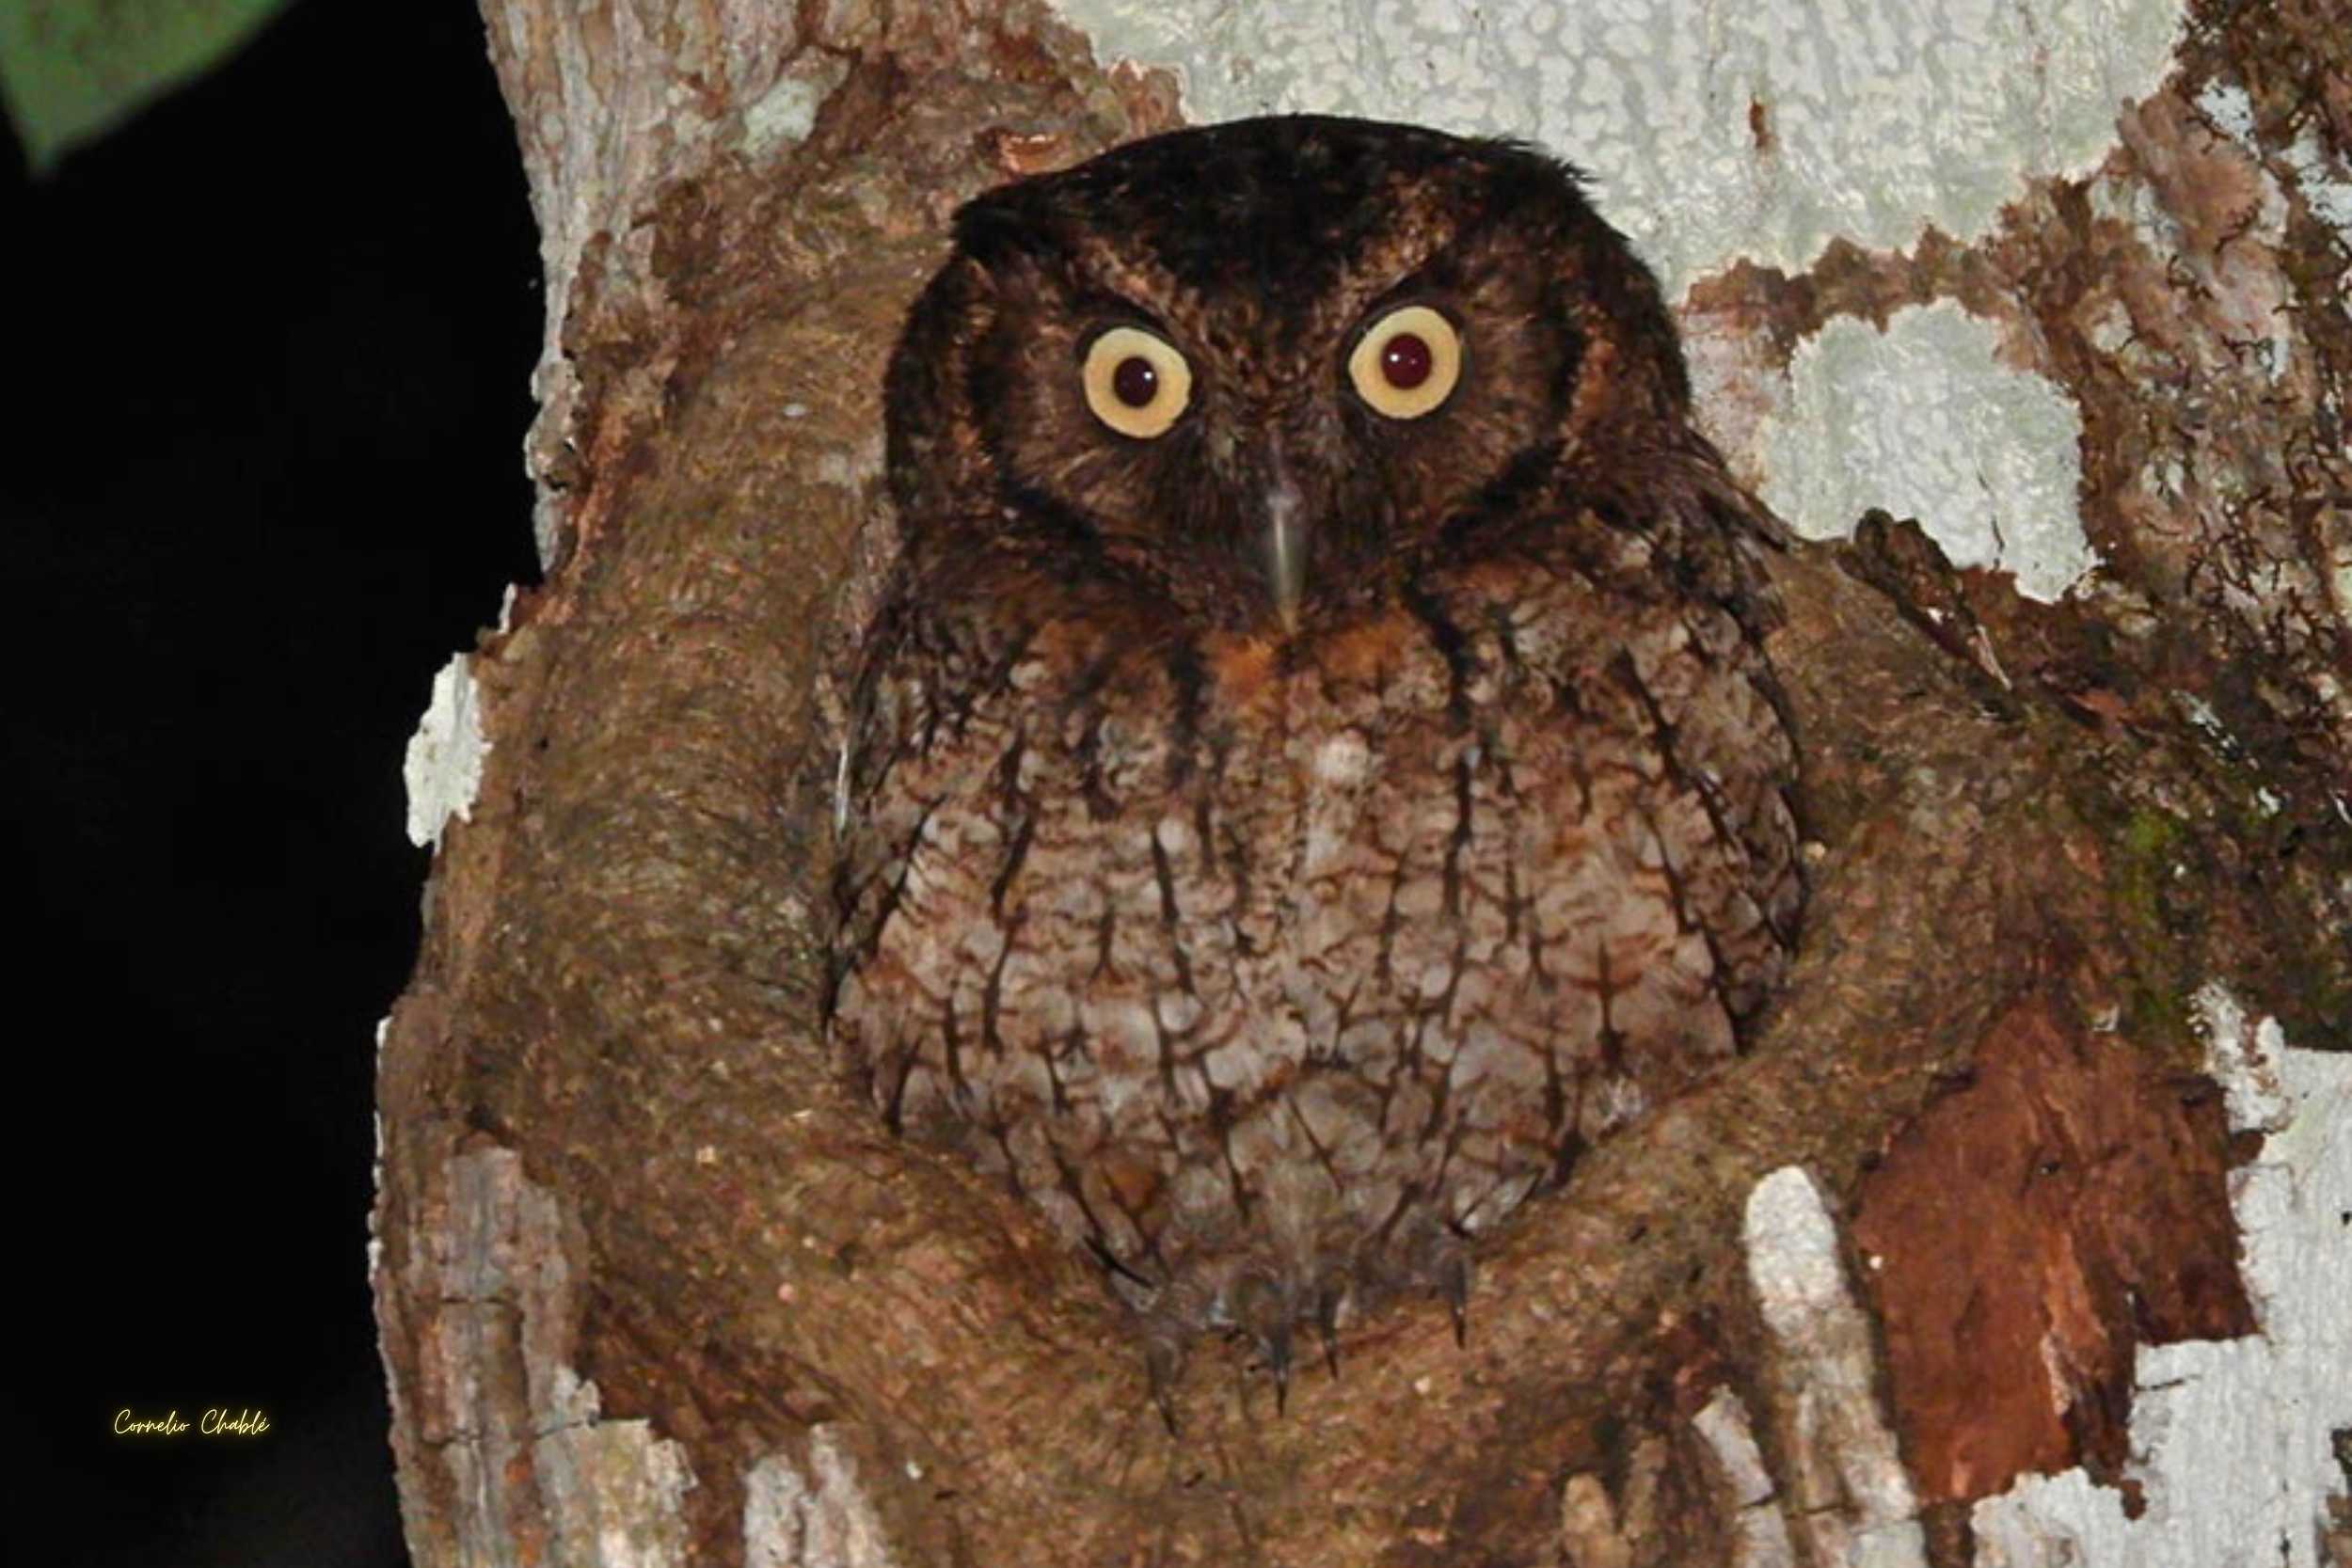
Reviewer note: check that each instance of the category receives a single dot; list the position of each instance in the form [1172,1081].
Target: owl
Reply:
[1314,769]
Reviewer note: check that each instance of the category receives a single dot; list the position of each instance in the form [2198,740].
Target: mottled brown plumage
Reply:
[1279,834]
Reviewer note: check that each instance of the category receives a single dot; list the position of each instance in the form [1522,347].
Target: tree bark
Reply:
[651,1289]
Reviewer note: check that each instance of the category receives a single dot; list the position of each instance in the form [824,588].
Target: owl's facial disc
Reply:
[1279,467]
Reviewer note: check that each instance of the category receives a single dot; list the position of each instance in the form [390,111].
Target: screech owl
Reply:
[1314,769]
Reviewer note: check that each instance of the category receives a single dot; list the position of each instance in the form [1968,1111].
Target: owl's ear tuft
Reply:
[924,384]
[1004,223]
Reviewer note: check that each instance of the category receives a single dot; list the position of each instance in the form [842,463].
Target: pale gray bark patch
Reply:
[1714,131]
[820,1519]
[443,767]
[1849,1495]
[514,1426]
[614,1491]
[1761,1533]
[1922,419]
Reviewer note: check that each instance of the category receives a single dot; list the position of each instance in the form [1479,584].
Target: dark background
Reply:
[267,350]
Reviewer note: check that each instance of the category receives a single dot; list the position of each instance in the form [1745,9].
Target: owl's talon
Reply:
[1328,1327]
[1162,1362]
[1453,1283]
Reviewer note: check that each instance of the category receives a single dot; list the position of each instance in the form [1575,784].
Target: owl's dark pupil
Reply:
[1406,361]
[1135,383]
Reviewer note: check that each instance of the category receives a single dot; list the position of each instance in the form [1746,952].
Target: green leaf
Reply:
[74,69]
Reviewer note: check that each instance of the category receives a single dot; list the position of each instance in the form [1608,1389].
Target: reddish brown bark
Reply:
[2027,1233]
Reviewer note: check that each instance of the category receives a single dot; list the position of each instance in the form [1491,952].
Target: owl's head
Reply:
[1251,366]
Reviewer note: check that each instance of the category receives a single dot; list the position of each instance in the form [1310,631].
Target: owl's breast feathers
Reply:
[1298,962]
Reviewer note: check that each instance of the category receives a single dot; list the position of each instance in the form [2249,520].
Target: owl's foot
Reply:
[1271,1313]
[1263,1311]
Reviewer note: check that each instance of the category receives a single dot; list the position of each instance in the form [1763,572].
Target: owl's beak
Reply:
[1285,545]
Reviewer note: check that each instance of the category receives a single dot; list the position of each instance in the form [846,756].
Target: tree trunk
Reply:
[2018,1234]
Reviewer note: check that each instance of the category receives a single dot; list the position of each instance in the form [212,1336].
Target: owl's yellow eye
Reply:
[1136,383]
[1406,363]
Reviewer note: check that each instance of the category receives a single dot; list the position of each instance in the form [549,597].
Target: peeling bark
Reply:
[652,1289]
[2028,1234]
